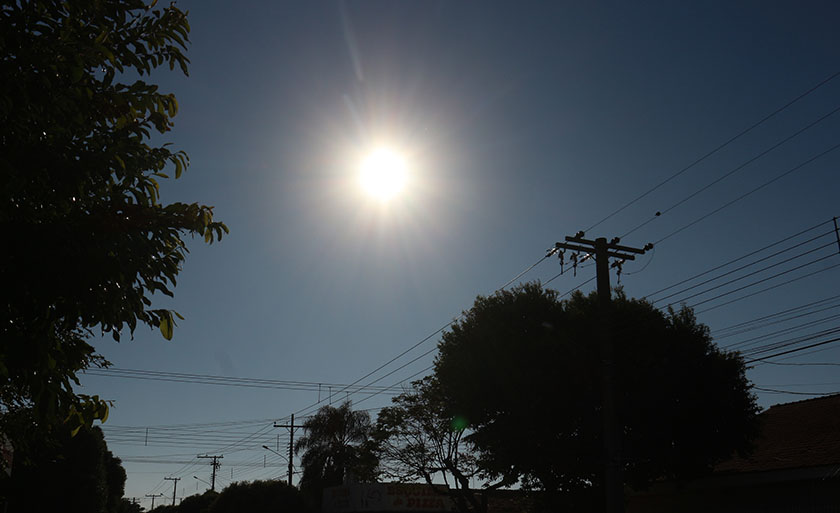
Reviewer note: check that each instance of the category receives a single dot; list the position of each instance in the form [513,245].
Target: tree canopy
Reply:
[418,438]
[258,497]
[525,369]
[67,473]
[336,447]
[87,241]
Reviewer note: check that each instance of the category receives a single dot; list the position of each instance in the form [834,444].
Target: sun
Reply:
[383,174]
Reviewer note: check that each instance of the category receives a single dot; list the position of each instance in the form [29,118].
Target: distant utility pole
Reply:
[837,233]
[603,251]
[153,499]
[216,466]
[174,486]
[291,427]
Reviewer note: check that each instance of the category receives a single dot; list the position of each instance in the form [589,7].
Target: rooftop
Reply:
[794,435]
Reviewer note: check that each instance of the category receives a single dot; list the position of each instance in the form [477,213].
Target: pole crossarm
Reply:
[216,466]
[613,244]
[583,249]
[174,486]
[291,427]
[153,496]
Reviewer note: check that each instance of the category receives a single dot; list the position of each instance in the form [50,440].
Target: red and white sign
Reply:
[387,497]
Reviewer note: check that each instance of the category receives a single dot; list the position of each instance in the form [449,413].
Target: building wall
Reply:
[804,496]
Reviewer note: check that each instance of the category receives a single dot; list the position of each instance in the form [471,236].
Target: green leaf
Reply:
[166,327]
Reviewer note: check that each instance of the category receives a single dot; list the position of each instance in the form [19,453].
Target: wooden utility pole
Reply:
[837,233]
[216,466]
[291,427]
[153,499]
[603,251]
[174,487]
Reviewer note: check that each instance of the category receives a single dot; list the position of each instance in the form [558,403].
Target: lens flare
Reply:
[459,423]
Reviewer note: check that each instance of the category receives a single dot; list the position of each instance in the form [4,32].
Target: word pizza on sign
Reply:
[387,497]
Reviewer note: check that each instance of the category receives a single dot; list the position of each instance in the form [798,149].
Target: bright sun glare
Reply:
[383,174]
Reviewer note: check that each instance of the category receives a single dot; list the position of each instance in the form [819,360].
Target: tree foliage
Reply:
[87,241]
[526,370]
[336,447]
[199,503]
[259,497]
[419,438]
[76,473]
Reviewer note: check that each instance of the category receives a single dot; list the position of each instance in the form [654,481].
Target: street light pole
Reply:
[267,448]
[202,480]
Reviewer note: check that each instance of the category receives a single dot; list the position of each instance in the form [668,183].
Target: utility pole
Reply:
[174,486]
[603,251]
[837,233]
[216,466]
[291,427]
[153,499]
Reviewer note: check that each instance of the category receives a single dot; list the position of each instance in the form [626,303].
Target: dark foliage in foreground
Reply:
[87,241]
[76,473]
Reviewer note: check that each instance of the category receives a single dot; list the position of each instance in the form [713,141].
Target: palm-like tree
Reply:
[336,447]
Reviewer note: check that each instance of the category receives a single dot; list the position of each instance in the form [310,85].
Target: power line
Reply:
[418,344]
[422,371]
[736,169]
[789,351]
[430,351]
[751,253]
[523,273]
[206,379]
[739,198]
[776,391]
[781,332]
[744,326]
[749,274]
[806,364]
[799,355]
[830,383]
[719,147]
[767,289]
[752,352]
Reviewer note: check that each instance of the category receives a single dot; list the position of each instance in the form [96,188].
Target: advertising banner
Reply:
[387,497]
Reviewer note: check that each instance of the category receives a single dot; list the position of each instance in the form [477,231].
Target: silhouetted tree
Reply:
[165,508]
[419,438]
[526,370]
[127,506]
[76,473]
[259,497]
[336,447]
[198,503]
[86,241]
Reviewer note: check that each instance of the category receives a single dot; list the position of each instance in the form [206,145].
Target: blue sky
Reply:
[522,123]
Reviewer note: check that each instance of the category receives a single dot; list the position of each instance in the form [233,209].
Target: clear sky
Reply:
[520,123]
